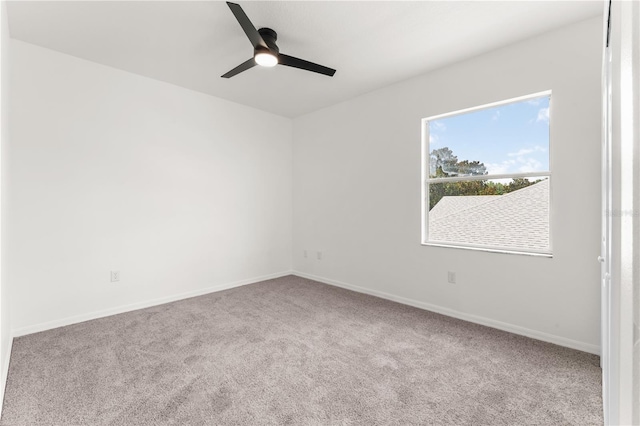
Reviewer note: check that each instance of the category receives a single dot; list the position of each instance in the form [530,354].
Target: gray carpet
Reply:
[294,351]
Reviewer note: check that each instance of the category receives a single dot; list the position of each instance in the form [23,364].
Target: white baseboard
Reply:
[558,340]
[23,331]
[4,373]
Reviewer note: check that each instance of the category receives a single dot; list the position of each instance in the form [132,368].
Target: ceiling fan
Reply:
[265,50]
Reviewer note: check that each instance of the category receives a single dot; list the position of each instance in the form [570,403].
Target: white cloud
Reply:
[496,115]
[535,101]
[433,139]
[525,162]
[500,168]
[529,165]
[438,125]
[526,151]
[518,162]
[518,165]
[543,115]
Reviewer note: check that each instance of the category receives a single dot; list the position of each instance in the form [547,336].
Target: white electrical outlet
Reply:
[115,276]
[319,255]
[451,277]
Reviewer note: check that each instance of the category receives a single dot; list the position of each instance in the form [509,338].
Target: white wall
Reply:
[357,193]
[5,319]
[179,191]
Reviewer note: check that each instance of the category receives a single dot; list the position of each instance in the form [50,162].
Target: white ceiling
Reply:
[371,44]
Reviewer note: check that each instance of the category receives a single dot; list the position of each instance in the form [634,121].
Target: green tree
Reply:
[519,183]
[443,163]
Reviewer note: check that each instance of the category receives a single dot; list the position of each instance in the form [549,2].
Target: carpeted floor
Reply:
[294,351]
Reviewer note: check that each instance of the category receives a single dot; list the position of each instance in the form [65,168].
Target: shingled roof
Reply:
[517,220]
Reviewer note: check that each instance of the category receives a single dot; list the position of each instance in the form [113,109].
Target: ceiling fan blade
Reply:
[250,63]
[290,61]
[254,36]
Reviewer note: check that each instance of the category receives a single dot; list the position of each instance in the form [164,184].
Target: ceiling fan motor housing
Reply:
[269,36]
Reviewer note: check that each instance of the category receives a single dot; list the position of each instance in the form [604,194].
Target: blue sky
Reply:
[512,138]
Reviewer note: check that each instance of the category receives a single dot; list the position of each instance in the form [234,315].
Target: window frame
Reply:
[427,180]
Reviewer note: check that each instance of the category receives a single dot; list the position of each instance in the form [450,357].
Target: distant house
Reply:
[518,220]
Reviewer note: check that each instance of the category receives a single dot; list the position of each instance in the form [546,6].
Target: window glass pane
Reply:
[506,139]
[506,213]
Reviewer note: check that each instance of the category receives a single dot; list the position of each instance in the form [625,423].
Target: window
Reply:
[487,179]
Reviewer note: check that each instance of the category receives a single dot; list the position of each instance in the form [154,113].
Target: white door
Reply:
[605,250]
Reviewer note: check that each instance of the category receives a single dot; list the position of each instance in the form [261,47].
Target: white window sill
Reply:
[490,249]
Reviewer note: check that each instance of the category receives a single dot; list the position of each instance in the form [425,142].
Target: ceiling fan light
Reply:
[266,59]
